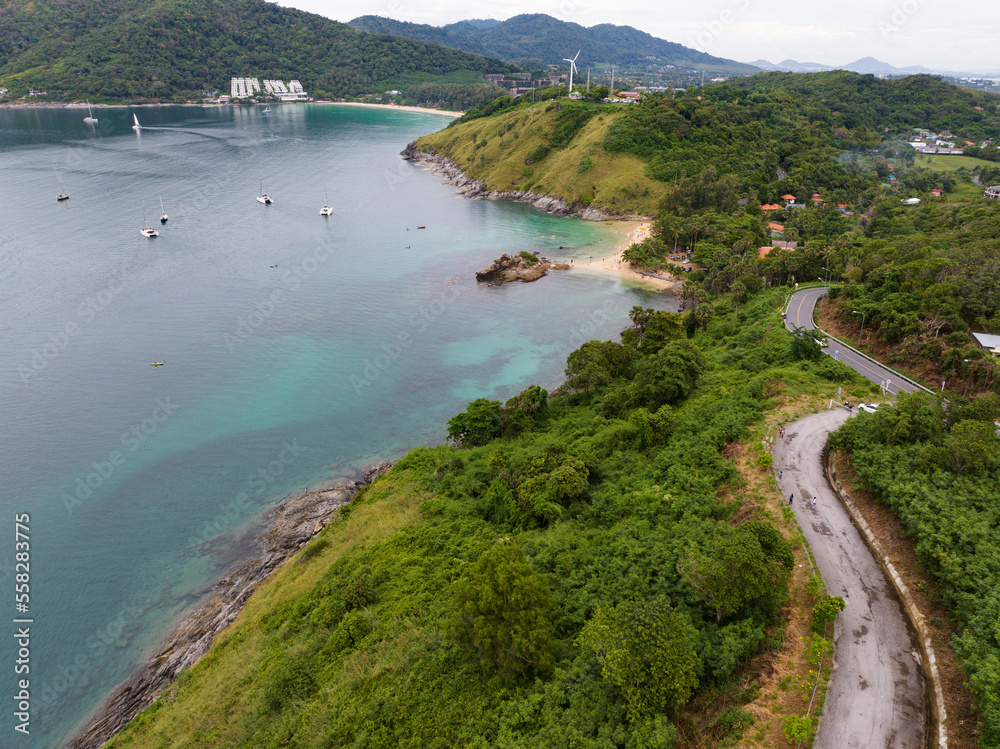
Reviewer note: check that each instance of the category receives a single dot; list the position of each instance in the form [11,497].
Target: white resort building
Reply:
[245,88]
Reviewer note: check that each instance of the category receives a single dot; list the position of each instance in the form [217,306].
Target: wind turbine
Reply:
[572,69]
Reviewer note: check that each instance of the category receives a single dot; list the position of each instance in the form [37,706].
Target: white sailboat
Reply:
[63,195]
[266,110]
[263,197]
[90,119]
[147,230]
[163,213]
[326,210]
[137,127]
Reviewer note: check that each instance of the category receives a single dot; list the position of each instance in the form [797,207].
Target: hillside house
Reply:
[993,192]
[988,342]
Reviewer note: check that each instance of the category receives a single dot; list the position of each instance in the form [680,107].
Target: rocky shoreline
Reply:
[473,189]
[508,268]
[290,526]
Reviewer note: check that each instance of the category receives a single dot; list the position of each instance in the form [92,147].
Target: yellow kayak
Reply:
[157,363]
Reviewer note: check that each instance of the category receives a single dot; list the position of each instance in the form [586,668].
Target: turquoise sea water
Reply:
[298,349]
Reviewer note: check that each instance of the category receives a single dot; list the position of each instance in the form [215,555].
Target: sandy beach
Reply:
[614,265]
[401,108]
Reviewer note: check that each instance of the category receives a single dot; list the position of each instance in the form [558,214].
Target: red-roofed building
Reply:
[816,198]
[788,199]
[770,207]
[775,227]
[764,251]
[936,192]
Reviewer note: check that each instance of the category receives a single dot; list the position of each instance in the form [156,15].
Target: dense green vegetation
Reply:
[539,40]
[923,277]
[840,99]
[936,464]
[829,131]
[175,49]
[570,573]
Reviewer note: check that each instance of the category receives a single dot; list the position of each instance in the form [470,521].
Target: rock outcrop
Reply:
[516,268]
[289,526]
[471,188]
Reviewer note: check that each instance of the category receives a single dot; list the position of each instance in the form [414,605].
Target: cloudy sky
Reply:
[938,34]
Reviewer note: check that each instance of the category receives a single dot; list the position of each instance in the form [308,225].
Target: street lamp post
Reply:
[828,273]
[862,325]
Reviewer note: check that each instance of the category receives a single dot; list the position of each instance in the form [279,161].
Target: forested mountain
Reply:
[538,39]
[173,49]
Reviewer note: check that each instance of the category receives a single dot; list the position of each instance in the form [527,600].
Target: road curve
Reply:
[800,314]
[876,695]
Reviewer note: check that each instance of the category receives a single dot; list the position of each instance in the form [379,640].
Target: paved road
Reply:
[876,694]
[800,314]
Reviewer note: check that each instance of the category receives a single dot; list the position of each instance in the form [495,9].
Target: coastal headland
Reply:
[289,526]
[635,228]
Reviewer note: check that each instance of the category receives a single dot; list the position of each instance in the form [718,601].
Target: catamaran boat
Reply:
[90,119]
[147,230]
[326,210]
[263,197]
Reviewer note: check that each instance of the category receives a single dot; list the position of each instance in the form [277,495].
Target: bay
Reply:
[297,349]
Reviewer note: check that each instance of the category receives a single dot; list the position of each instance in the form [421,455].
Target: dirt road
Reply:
[876,695]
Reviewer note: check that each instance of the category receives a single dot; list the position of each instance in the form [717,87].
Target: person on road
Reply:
[790,498]
[780,474]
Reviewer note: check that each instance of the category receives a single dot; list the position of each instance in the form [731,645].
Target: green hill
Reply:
[113,50]
[538,39]
[591,570]
[777,133]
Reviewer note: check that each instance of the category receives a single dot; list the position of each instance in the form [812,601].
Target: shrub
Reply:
[825,612]
[312,550]
[538,153]
[501,612]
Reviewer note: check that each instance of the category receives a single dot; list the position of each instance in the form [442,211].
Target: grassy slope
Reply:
[616,182]
[951,163]
[205,710]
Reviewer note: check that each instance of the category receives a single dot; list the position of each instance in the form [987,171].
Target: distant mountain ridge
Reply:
[864,66]
[539,39]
